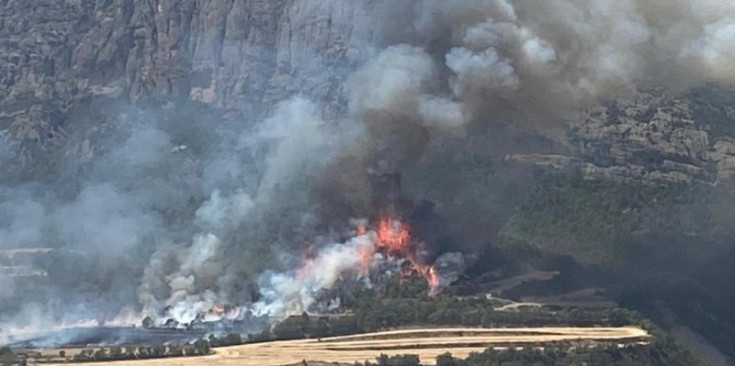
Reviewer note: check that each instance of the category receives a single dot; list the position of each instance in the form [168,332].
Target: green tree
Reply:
[445,359]
[233,339]
[7,357]
[202,347]
[398,360]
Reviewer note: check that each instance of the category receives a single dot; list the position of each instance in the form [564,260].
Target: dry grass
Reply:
[427,343]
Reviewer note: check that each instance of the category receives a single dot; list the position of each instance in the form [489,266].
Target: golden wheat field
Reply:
[427,343]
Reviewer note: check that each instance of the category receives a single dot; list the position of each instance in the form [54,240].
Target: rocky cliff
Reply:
[241,56]
[652,137]
[238,55]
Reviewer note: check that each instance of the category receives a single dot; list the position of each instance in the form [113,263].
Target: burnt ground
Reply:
[85,336]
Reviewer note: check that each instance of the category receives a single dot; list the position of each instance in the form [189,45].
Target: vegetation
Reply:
[7,357]
[198,348]
[228,340]
[595,222]
[397,305]
[661,352]
[400,304]
[647,244]
[566,354]
[397,360]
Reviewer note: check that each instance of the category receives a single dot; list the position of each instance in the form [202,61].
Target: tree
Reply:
[175,350]
[233,339]
[148,322]
[304,322]
[116,352]
[190,350]
[142,352]
[398,360]
[214,341]
[100,355]
[445,359]
[7,357]
[320,328]
[202,347]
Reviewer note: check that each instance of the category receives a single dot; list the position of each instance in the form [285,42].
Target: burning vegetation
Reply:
[371,254]
[394,240]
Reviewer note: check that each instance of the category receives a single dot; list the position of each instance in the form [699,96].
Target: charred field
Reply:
[81,337]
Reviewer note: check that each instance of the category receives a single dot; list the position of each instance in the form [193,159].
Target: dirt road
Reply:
[427,343]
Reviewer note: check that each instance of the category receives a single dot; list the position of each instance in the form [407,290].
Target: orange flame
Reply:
[361,230]
[433,278]
[305,268]
[393,234]
[217,309]
[366,257]
[394,237]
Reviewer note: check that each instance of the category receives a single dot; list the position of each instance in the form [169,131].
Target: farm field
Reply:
[425,342]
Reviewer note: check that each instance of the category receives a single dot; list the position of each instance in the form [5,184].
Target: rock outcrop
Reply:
[243,56]
[651,137]
[238,55]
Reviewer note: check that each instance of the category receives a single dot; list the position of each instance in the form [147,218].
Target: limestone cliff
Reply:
[239,55]
[652,137]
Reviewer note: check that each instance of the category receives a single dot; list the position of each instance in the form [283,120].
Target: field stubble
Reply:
[426,342]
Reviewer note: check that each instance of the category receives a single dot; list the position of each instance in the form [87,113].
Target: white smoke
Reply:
[25,218]
[293,144]
[298,143]
[180,280]
[400,79]
[295,291]
[104,214]
[220,212]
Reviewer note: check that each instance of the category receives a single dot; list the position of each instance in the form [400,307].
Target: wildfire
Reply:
[366,257]
[393,234]
[433,278]
[306,267]
[361,230]
[217,309]
[394,238]
[387,241]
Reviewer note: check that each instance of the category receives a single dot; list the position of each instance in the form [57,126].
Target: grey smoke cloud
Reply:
[23,218]
[290,147]
[540,57]
[103,214]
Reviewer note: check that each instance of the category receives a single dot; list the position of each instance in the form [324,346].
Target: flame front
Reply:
[394,238]
[393,235]
[389,237]
[295,291]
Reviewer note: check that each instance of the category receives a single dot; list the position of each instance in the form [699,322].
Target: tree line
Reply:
[661,352]
[199,348]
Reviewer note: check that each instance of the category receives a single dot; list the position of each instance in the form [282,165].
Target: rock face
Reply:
[239,55]
[650,137]
[242,56]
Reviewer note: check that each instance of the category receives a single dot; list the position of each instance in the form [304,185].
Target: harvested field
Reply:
[427,343]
